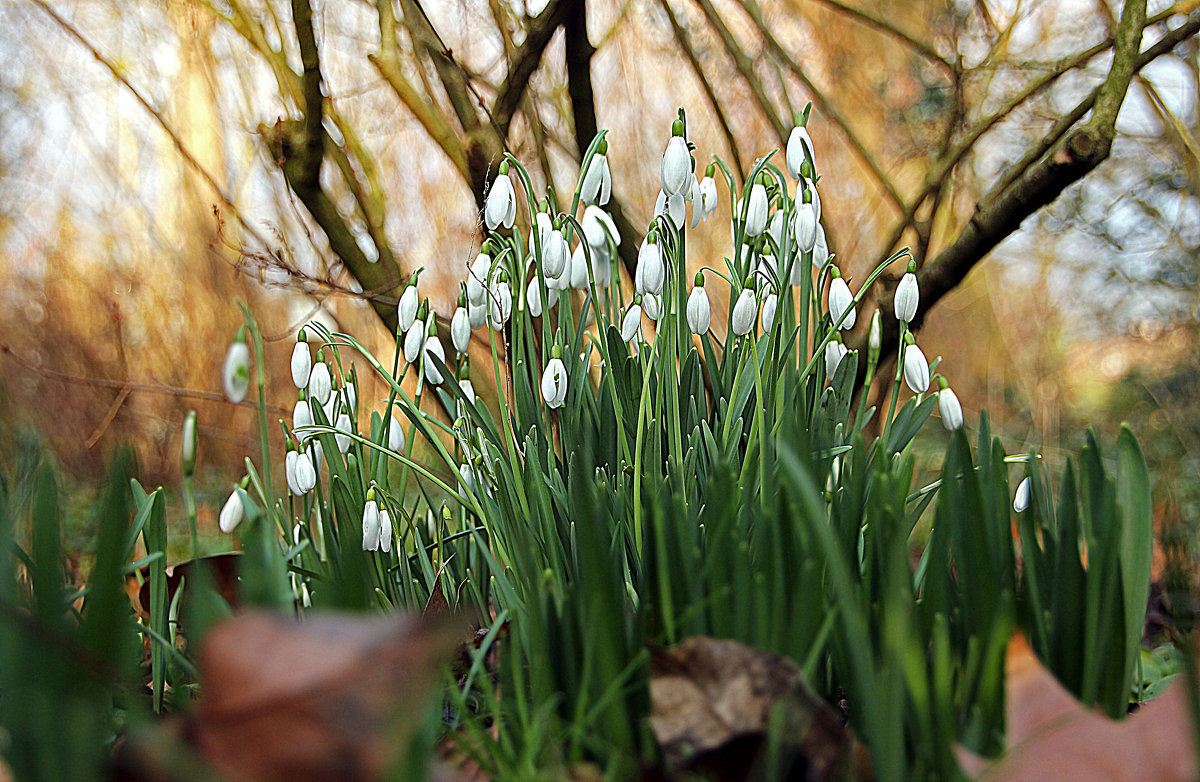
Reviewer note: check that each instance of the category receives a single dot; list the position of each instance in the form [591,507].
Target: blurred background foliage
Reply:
[140,162]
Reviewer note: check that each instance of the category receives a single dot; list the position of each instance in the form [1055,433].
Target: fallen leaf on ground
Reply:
[1051,735]
[333,697]
[712,703]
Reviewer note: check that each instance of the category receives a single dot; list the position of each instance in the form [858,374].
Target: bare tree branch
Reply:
[879,23]
[538,33]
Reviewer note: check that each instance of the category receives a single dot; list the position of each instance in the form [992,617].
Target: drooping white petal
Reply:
[302,417]
[1021,499]
[306,474]
[235,373]
[232,513]
[768,311]
[301,364]
[533,297]
[477,314]
[433,347]
[406,310]
[385,531]
[579,269]
[950,409]
[916,369]
[289,472]
[631,324]
[460,330]
[907,297]
[592,190]
[395,436]
[652,306]
[413,341]
[806,226]
[745,312]
[371,526]
[676,166]
[820,250]
[499,304]
[699,311]
[650,273]
[756,210]
[708,196]
[841,300]
[477,278]
[320,384]
[554,254]
[554,383]
[798,141]
[834,353]
[501,206]
[343,425]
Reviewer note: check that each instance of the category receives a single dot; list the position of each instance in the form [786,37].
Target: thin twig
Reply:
[879,23]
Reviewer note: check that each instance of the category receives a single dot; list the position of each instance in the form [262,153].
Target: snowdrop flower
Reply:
[188,446]
[597,180]
[676,162]
[949,406]
[413,341]
[874,338]
[320,384]
[468,390]
[652,306]
[673,207]
[499,303]
[433,347]
[907,295]
[385,531]
[301,362]
[745,310]
[651,273]
[533,297]
[799,149]
[756,210]
[776,226]
[371,523]
[1021,500]
[554,381]
[477,315]
[477,277]
[768,311]
[699,311]
[708,194]
[806,224]
[811,187]
[343,440]
[554,254]
[916,369]
[232,513]
[406,310]
[835,351]
[300,474]
[501,206]
[631,324]
[395,436]
[579,269]
[460,327]
[235,373]
[820,250]
[468,484]
[316,458]
[302,417]
[841,301]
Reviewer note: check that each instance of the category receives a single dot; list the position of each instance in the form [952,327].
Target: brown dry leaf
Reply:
[1052,736]
[712,702]
[333,697]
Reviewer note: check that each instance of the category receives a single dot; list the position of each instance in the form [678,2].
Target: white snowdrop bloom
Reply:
[477,314]
[554,383]
[676,165]
[916,369]
[385,531]
[1021,500]
[907,297]
[631,324]
[699,311]
[745,312]
[188,446]
[316,457]
[320,384]
[460,329]
[468,390]
[673,208]
[820,250]
[499,304]
[799,142]
[468,484]
[708,197]
[578,270]
[768,311]
[811,186]
[413,341]
[235,373]
[533,297]
[501,205]
[652,306]
[343,440]
[806,226]
[406,310]
[597,180]
[950,409]
[301,364]
[371,525]
[651,272]
[834,353]
[349,397]
[477,278]
[395,436]
[300,474]
[694,197]
[776,227]
[554,254]
[875,334]
[841,300]
[232,513]
[302,417]
[768,268]
[598,228]
[433,347]
[756,211]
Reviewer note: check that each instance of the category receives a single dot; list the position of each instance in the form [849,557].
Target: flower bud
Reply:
[301,364]
[916,369]
[950,409]
[460,329]
[406,309]
[756,210]
[188,448]
[835,351]
[371,524]
[841,302]
[699,311]
[235,373]
[768,311]
[907,297]
[554,383]
[1021,499]
[744,311]
[676,166]
[395,436]
[232,512]
[631,324]
[651,273]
